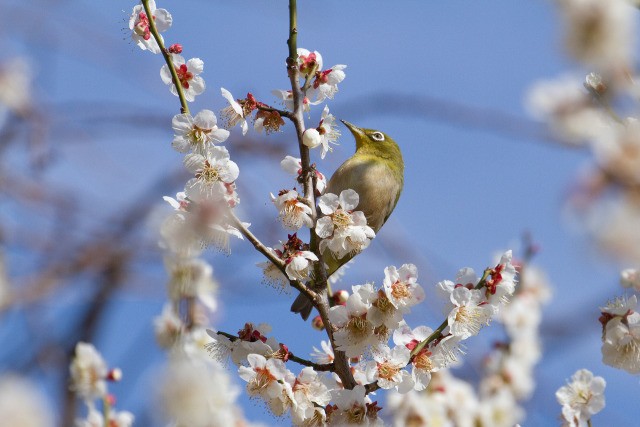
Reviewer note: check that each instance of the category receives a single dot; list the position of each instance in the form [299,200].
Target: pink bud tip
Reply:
[110,399]
[340,297]
[317,323]
[175,48]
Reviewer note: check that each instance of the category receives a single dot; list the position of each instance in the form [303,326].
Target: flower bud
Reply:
[317,323]
[340,297]
[175,48]
[311,138]
[114,375]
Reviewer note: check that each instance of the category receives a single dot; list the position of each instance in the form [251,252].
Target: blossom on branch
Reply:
[192,84]
[342,229]
[197,134]
[581,398]
[140,28]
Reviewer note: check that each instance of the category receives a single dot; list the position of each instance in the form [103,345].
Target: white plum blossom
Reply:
[197,392]
[252,339]
[325,355]
[464,277]
[297,265]
[433,357]
[88,373]
[264,377]
[470,312]
[401,287]
[582,397]
[356,331]
[293,213]
[328,131]
[234,113]
[188,75]
[190,278]
[140,29]
[567,107]
[309,393]
[168,327]
[501,283]
[621,334]
[273,276]
[342,229]
[353,408]
[387,368]
[214,174]
[293,166]
[630,278]
[197,134]
[327,82]
[621,347]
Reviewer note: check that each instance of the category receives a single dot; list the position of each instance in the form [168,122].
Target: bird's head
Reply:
[374,142]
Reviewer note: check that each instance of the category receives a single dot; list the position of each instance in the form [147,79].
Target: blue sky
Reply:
[445,79]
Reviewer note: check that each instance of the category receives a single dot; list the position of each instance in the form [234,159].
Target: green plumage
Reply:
[376,173]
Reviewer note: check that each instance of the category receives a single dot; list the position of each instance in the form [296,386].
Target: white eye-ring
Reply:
[378,136]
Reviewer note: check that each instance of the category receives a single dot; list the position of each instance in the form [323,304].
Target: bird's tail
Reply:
[302,305]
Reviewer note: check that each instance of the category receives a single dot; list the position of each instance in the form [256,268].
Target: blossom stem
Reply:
[435,334]
[316,366]
[167,57]
[260,247]
[320,300]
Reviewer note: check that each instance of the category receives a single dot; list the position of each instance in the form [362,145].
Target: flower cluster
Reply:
[600,113]
[89,376]
[508,371]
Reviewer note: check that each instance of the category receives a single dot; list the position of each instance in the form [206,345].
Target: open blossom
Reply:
[308,393]
[192,84]
[197,134]
[433,357]
[356,331]
[329,132]
[325,82]
[190,278]
[264,377]
[401,287]
[582,397]
[293,166]
[621,334]
[470,312]
[198,225]
[353,407]
[293,213]
[88,373]
[214,173]
[233,114]
[168,327]
[325,355]
[140,29]
[387,368]
[252,339]
[501,283]
[599,33]
[197,392]
[342,229]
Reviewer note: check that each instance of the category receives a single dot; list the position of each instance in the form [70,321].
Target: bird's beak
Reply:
[355,130]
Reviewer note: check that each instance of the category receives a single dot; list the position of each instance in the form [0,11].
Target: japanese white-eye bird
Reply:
[376,173]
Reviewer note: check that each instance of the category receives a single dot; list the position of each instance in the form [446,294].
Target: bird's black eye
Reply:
[378,136]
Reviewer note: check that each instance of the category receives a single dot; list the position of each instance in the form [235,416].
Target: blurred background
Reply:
[86,157]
